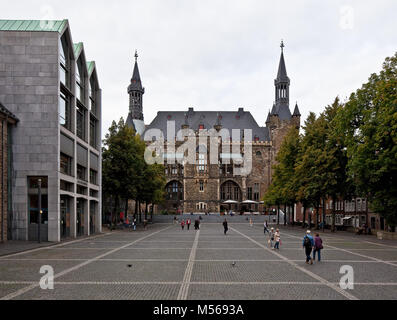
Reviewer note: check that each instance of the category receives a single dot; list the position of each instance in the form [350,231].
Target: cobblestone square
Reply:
[166,263]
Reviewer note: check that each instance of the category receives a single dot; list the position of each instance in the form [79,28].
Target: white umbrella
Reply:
[249,202]
[230,202]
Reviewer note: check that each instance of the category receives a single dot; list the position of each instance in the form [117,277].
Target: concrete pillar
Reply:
[86,208]
[73,217]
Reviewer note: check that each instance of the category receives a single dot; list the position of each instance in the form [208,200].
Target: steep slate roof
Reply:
[136,83]
[33,25]
[284,113]
[296,111]
[282,70]
[229,120]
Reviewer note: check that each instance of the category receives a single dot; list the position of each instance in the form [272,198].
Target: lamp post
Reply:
[39,217]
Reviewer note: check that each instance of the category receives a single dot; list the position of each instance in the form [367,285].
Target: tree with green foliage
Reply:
[126,175]
[369,122]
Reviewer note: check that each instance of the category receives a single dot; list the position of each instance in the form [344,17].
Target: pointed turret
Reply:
[296,111]
[274,110]
[136,92]
[282,70]
[268,118]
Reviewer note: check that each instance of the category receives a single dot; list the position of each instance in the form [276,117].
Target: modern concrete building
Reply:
[7,123]
[46,81]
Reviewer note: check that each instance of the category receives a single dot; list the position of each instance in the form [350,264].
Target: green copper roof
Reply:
[90,66]
[77,48]
[33,25]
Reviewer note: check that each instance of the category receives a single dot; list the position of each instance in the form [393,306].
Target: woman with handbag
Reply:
[318,246]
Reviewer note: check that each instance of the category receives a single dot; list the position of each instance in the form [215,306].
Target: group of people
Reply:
[274,237]
[188,223]
[312,245]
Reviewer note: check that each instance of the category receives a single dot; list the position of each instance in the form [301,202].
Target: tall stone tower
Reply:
[280,119]
[136,91]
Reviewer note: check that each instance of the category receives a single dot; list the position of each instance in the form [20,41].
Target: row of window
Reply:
[66,165]
[254,193]
[65,110]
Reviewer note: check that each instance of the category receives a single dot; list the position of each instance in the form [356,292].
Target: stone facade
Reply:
[30,86]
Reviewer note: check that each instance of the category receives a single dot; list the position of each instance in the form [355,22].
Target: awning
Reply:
[230,202]
[249,202]
[346,218]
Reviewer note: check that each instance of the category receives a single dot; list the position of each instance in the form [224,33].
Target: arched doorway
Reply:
[230,190]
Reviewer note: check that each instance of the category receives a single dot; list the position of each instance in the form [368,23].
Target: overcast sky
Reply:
[221,55]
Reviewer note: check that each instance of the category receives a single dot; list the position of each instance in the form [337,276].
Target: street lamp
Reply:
[40,211]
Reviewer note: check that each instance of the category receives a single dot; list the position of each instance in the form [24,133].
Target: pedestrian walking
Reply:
[134,224]
[265,225]
[308,244]
[251,223]
[277,239]
[197,224]
[145,222]
[225,226]
[318,246]
[271,237]
[188,223]
[183,224]
[175,220]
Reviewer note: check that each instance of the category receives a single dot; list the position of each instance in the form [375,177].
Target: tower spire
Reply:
[136,91]
[282,84]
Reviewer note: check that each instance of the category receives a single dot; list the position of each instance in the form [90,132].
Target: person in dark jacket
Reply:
[225,226]
[308,244]
[318,246]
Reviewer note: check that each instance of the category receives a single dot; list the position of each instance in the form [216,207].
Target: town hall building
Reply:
[207,187]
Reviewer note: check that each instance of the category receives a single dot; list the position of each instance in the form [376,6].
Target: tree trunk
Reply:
[278,214]
[324,214]
[333,215]
[126,208]
[317,216]
[304,217]
[136,210]
[146,211]
[309,220]
[285,215]
[366,212]
[293,214]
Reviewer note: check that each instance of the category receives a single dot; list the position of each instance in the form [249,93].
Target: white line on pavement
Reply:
[82,283]
[354,253]
[313,275]
[184,290]
[26,289]
[53,246]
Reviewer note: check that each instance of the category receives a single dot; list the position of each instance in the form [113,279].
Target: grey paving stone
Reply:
[235,254]
[61,253]
[363,272]
[104,292]
[263,292]
[247,272]
[29,270]
[119,271]
[151,254]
